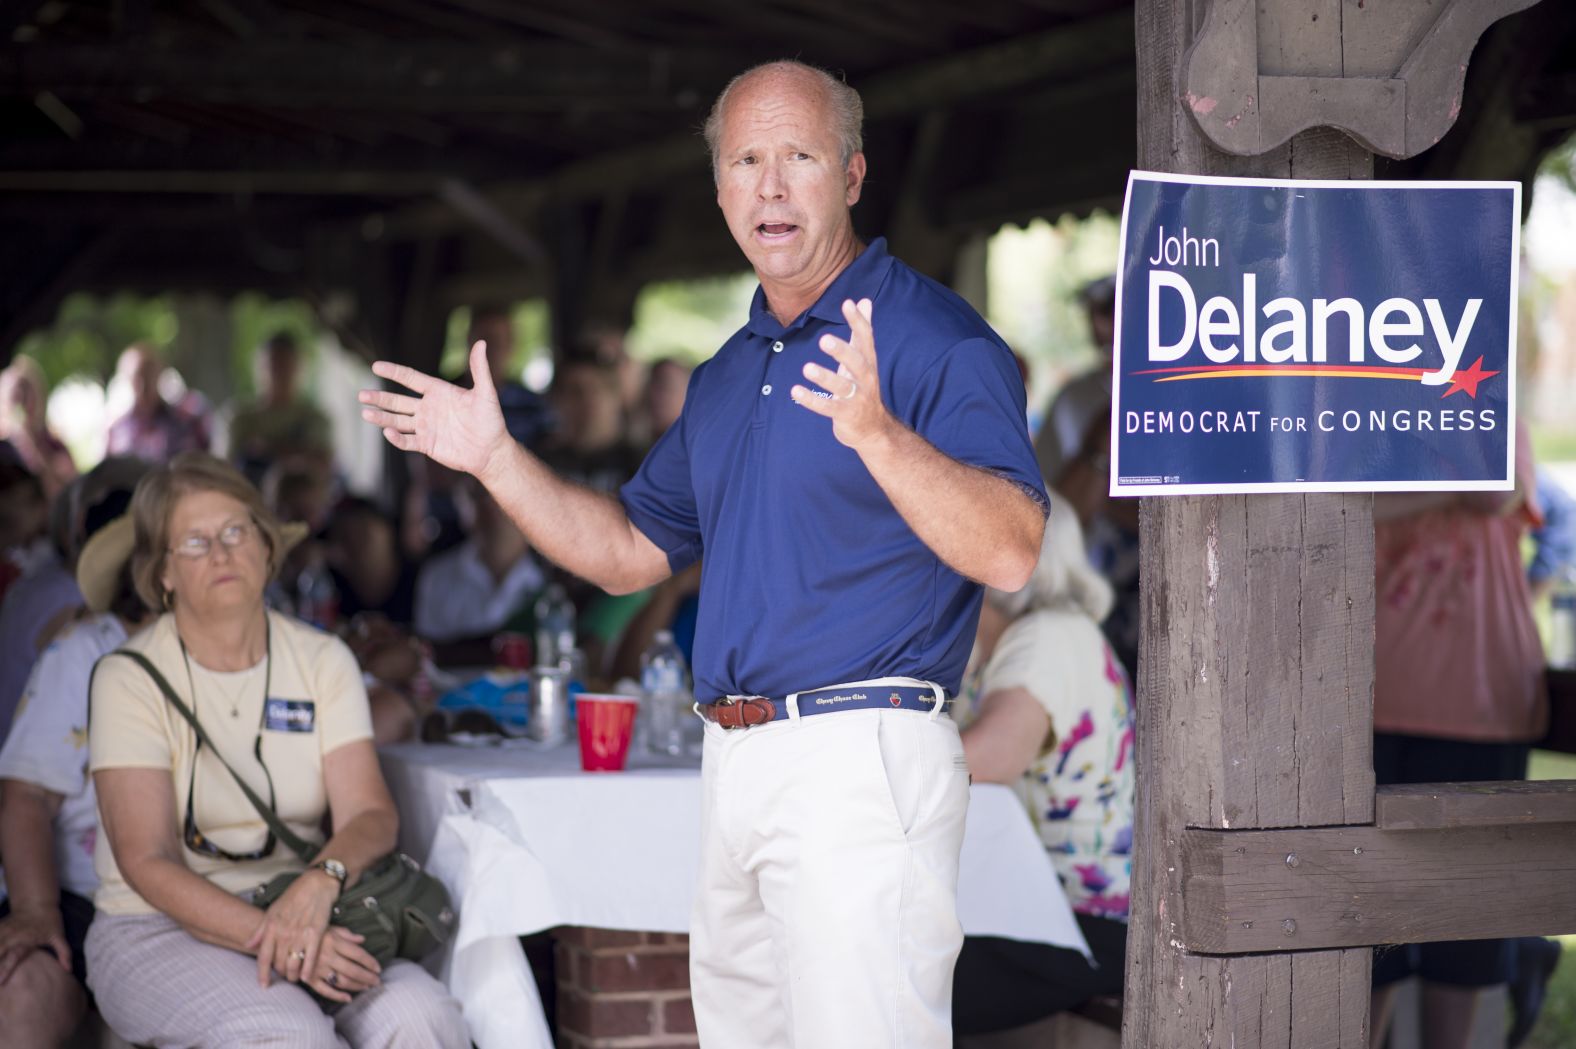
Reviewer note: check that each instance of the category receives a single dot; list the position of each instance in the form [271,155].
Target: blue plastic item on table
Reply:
[503,695]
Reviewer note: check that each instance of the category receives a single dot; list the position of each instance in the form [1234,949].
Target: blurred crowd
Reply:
[429,578]
[434,575]
[200,518]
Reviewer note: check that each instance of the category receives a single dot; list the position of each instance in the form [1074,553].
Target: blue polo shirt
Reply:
[810,576]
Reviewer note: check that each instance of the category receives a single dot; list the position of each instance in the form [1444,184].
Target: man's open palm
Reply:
[459,428]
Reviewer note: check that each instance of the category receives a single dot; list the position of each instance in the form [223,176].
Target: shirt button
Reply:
[766,391]
[777,347]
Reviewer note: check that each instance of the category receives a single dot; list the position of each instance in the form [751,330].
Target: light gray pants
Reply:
[158,985]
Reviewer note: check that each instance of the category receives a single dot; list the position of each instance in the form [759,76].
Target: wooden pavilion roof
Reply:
[375,152]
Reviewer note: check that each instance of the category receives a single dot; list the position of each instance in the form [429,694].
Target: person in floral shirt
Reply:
[153,430]
[1048,709]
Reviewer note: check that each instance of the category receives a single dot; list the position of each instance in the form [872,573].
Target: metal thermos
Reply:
[547,717]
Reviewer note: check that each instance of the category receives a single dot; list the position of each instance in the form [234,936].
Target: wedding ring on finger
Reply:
[298,955]
[332,979]
[853,388]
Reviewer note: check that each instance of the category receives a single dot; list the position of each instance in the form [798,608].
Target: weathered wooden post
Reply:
[1256,673]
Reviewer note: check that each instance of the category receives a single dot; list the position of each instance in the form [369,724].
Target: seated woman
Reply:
[1055,720]
[48,817]
[177,956]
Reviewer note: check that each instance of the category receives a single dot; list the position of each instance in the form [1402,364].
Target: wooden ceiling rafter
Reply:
[909,32]
[427,17]
[632,19]
[959,78]
[332,131]
[771,23]
[535,18]
[422,76]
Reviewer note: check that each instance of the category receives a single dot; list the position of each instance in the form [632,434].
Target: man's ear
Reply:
[855,177]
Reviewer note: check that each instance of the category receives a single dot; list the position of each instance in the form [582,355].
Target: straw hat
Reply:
[105,553]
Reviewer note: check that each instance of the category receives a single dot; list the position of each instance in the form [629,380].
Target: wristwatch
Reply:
[334,869]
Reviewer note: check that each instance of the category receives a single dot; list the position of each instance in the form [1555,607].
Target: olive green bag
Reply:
[399,910]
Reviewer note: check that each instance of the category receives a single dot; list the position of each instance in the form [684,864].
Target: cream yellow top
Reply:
[316,702]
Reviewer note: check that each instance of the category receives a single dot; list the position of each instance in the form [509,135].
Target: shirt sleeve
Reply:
[970,406]
[1057,657]
[127,727]
[660,500]
[344,715]
[47,744]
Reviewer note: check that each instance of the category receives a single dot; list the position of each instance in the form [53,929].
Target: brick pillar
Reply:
[623,990]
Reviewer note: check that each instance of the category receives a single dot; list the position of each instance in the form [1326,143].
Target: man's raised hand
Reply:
[459,428]
[850,396]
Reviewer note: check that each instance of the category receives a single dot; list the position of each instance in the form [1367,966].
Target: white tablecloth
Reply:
[526,841]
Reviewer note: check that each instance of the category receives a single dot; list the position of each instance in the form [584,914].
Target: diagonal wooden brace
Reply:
[1388,74]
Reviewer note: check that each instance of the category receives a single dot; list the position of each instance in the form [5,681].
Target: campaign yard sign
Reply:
[1280,336]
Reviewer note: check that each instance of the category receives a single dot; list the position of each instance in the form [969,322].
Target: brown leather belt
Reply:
[739,713]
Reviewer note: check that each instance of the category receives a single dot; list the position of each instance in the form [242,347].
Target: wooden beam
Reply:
[421,321]
[311,183]
[861,22]
[532,17]
[773,22]
[1247,98]
[1438,806]
[145,146]
[500,228]
[1066,53]
[399,75]
[1267,685]
[1331,887]
[914,228]
[1255,669]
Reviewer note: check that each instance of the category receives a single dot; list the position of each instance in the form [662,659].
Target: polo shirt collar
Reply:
[860,280]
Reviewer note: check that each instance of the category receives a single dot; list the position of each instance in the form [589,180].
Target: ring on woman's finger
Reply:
[298,955]
[332,979]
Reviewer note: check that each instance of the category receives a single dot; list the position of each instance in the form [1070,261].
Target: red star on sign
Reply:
[1468,380]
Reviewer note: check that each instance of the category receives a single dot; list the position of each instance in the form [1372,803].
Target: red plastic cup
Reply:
[512,650]
[606,725]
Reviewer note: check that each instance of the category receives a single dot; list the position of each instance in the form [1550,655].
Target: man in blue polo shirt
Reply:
[848,505]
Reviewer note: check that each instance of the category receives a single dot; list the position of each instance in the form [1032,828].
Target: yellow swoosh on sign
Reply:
[1279,372]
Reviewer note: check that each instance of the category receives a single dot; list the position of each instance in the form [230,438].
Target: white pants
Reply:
[159,985]
[826,914]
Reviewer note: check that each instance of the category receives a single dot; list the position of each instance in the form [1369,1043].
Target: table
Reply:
[526,841]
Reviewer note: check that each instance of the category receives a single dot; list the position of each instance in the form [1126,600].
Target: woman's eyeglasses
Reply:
[195,840]
[200,843]
[196,545]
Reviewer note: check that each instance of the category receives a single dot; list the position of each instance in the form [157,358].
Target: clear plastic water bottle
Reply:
[317,598]
[665,695]
[555,627]
[1562,621]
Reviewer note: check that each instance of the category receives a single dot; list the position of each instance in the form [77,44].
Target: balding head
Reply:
[842,103]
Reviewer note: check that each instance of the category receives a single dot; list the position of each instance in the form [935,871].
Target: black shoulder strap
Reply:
[297,844]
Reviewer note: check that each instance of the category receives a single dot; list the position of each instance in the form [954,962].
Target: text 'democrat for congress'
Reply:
[1277,335]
